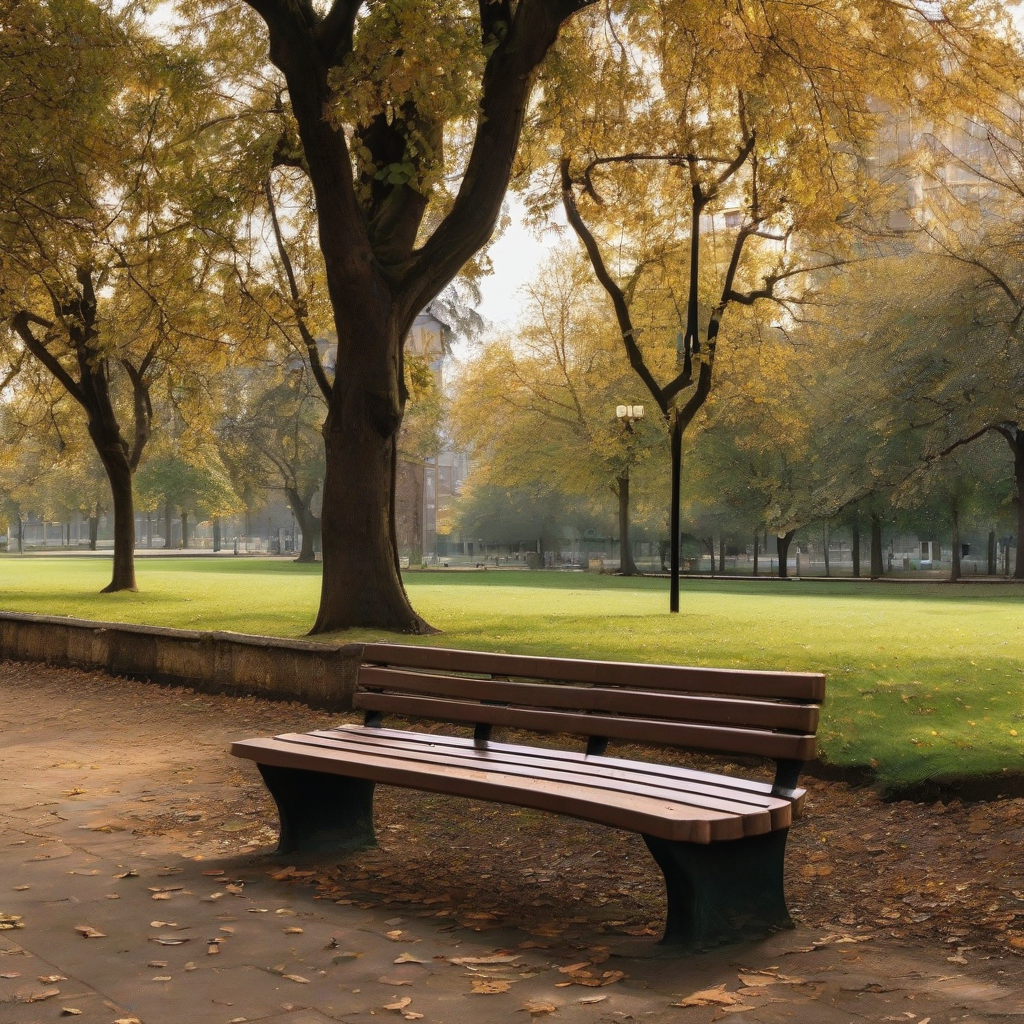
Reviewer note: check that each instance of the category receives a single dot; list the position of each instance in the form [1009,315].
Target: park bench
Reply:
[719,840]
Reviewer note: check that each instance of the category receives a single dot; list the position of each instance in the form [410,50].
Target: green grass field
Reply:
[925,680]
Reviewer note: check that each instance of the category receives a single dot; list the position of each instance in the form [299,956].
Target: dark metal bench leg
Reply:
[724,891]
[320,812]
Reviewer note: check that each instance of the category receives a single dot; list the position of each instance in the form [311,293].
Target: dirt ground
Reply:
[123,814]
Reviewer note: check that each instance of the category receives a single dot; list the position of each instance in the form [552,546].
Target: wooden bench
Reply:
[720,841]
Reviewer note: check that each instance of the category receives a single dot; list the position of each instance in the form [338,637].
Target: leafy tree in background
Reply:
[756,118]
[537,408]
[106,258]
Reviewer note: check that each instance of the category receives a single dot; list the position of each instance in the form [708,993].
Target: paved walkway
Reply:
[135,866]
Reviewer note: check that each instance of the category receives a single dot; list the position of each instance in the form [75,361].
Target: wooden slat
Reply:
[758,743]
[497,752]
[675,706]
[805,686]
[663,818]
[760,813]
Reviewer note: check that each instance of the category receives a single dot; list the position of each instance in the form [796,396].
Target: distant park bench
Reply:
[719,840]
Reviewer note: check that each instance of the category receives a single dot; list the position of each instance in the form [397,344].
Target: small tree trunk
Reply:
[954,572]
[663,548]
[824,546]
[216,533]
[877,567]
[184,530]
[710,541]
[721,554]
[21,535]
[168,519]
[149,530]
[94,531]
[756,539]
[783,543]
[991,552]
[309,524]
[627,566]
[855,551]
[119,475]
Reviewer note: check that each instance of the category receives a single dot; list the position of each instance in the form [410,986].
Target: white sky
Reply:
[516,257]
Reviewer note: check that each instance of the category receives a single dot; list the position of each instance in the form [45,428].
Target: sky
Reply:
[516,256]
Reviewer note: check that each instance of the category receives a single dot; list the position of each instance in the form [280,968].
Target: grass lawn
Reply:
[925,680]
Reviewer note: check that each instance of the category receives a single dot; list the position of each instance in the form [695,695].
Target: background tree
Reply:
[537,407]
[104,253]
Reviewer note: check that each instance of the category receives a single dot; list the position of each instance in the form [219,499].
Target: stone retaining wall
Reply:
[321,675]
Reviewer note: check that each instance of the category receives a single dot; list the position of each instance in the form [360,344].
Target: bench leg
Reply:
[320,812]
[724,891]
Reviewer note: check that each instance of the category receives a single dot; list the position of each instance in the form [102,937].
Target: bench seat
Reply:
[660,800]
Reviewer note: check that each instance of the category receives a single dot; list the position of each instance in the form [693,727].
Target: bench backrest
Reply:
[767,714]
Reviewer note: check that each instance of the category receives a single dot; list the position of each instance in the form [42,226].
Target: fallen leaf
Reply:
[408,958]
[10,921]
[161,977]
[160,896]
[489,986]
[394,982]
[127,1020]
[716,996]
[52,979]
[589,1000]
[293,931]
[11,974]
[411,1015]
[21,888]
[40,995]
[534,1007]
[70,1011]
[160,940]
[399,1004]
[88,932]
[157,964]
[297,978]
[130,873]
[757,980]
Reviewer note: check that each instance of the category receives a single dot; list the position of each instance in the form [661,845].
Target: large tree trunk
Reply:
[824,546]
[991,552]
[119,474]
[721,554]
[94,531]
[627,567]
[362,584]
[710,541]
[954,572]
[783,543]
[184,530]
[877,567]
[855,551]
[216,533]
[21,534]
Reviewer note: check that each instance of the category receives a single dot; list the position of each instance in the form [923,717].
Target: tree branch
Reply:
[21,323]
[622,315]
[312,351]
